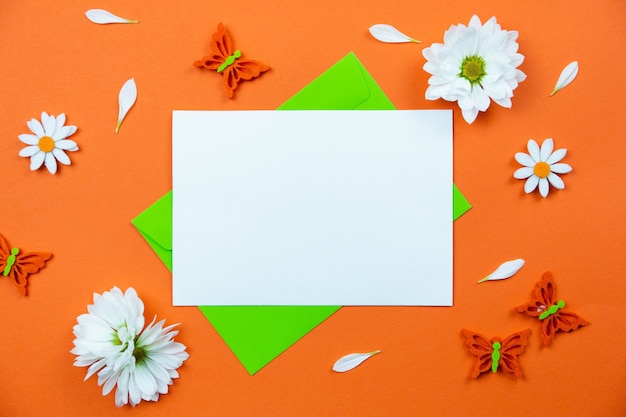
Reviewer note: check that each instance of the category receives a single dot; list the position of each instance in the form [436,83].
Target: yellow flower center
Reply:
[542,169]
[46,144]
[473,69]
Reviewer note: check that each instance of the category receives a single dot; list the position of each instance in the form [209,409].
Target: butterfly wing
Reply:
[241,69]
[221,48]
[481,348]
[5,251]
[512,347]
[26,264]
[543,296]
[563,321]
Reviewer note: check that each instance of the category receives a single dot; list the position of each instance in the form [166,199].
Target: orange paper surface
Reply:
[55,60]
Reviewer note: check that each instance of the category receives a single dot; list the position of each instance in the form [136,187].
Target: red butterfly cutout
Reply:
[17,265]
[227,61]
[491,355]
[549,310]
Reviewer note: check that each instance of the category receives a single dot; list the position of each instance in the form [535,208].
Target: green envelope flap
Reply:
[344,86]
[257,335]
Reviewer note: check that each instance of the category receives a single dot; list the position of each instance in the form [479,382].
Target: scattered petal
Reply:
[103,17]
[127,97]
[567,76]
[352,360]
[389,34]
[504,271]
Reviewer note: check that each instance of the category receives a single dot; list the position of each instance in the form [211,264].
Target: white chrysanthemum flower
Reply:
[541,167]
[49,142]
[112,342]
[475,64]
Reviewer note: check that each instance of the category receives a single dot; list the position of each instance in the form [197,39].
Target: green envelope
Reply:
[258,334]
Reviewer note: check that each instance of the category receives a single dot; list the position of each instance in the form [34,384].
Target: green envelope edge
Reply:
[259,334]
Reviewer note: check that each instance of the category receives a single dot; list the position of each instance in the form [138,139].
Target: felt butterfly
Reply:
[17,265]
[228,62]
[494,354]
[545,306]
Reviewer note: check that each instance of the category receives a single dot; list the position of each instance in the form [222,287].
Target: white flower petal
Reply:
[126,98]
[389,34]
[544,187]
[29,139]
[568,75]
[60,119]
[352,360]
[49,125]
[533,150]
[61,156]
[560,168]
[523,173]
[36,161]
[557,156]
[504,271]
[51,163]
[531,184]
[546,149]
[556,181]
[35,126]
[29,151]
[525,159]
[66,145]
[469,114]
[103,17]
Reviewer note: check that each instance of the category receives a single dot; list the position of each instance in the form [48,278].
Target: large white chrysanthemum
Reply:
[112,342]
[475,64]
[49,142]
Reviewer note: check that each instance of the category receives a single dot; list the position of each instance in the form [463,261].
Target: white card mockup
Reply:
[312,207]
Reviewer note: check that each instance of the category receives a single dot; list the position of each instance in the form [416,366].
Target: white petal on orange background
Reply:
[352,360]
[389,34]
[104,17]
[504,271]
[127,97]
[567,76]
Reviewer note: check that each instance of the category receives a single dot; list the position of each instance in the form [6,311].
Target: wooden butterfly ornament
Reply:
[495,353]
[228,61]
[545,306]
[18,265]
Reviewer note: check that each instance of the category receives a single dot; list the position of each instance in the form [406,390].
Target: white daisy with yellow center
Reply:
[476,64]
[541,167]
[140,363]
[49,142]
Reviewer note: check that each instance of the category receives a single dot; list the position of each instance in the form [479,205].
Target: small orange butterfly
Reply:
[549,310]
[227,61]
[490,355]
[18,265]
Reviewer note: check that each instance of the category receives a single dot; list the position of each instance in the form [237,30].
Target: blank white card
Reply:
[312,207]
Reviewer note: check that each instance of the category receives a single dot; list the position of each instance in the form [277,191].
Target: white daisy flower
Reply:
[475,64]
[112,342]
[49,142]
[541,167]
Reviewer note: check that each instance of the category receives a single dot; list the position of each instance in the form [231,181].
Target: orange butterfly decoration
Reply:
[227,61]
[494,354]
[549,310]
[17,265]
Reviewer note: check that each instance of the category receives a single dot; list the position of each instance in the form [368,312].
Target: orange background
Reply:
[55,60]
